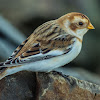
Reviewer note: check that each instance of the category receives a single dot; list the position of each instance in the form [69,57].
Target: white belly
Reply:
[50,64]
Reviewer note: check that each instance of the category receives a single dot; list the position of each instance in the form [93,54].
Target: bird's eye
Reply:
[80,23]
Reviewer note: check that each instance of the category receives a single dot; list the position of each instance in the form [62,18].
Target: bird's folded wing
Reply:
[37,52]
[47,44]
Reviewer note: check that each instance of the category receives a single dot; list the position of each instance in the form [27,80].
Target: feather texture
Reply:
[52,38]
[53,44]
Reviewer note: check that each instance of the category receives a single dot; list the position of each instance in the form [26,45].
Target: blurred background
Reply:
[19,18]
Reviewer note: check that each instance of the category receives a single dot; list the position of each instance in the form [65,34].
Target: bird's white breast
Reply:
[50,64]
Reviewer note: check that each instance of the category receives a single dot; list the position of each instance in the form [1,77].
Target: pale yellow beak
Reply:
[90,26]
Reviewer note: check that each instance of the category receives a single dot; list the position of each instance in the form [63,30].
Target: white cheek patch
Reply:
[81,32]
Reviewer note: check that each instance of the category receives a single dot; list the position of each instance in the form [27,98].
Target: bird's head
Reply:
[75,23]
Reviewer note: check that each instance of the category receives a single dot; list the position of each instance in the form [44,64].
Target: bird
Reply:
[51,45]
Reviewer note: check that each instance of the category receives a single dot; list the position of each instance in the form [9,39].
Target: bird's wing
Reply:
[46,42]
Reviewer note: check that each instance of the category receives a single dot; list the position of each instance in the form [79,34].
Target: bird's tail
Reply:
[3,72]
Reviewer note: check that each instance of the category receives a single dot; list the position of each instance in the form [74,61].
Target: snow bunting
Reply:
[53,44]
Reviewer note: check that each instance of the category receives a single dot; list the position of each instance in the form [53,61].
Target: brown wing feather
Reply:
[32,40]
[47,37]
[17,50]
[44,46]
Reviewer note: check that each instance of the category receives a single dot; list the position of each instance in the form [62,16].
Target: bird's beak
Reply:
[90,26]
